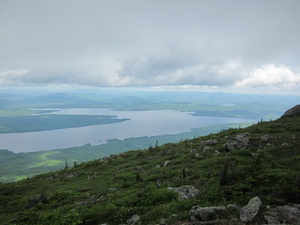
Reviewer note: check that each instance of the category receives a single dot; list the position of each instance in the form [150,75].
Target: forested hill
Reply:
[173,183]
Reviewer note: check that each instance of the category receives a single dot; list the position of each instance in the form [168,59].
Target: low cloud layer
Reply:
[270,76]
[225,44]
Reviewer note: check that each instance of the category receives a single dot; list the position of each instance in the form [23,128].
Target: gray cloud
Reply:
[150,43]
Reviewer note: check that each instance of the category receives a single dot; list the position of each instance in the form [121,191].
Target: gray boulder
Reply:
[250,211]
[289,214]
[265,138]
[186,191]
[209,142]
[241,141]
[295,111]
[203,213]
[233,214]
[214,214]
[284,145]
[70,175]
[134,220]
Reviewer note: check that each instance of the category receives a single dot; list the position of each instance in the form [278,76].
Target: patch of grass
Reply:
[45,161]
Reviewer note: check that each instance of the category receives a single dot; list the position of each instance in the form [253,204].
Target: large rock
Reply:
[249,214]
[289,214]
[295,111]
[186,191]
[215,214]
[203,213]
[241,141]
[250,211]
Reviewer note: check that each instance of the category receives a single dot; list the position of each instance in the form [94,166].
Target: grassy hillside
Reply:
[228,167]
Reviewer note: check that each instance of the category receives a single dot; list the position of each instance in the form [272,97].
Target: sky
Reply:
[234,45]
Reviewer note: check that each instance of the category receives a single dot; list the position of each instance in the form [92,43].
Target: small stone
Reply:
[133,220]
[166,163]
[209,142]
[206,148]
[284,145]
[265,138]
[163,221]
[193,150]
[216,153]
[253,154]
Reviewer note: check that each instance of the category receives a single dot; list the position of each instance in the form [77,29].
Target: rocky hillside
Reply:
[238,176]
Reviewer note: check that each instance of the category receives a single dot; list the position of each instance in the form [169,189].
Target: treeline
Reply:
[51,122]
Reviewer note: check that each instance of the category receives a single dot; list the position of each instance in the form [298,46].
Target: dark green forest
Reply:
[51,122]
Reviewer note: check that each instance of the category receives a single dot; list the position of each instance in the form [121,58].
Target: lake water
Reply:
[141,123]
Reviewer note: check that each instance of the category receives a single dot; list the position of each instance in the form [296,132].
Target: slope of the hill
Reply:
[143,186]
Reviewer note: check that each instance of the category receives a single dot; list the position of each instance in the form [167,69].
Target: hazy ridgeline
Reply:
[20,111]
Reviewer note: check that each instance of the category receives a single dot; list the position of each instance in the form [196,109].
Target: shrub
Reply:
[72,218]
[156,196]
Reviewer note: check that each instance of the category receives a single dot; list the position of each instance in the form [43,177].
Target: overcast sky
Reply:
[230,45]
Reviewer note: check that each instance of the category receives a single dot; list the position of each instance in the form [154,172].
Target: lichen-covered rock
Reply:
[186,191]
[134,220]
[250,211]
[249,214]
[289,214]
[202,213]
[265,138]
[209,142]
[271,217]
[241,141]
[214,214]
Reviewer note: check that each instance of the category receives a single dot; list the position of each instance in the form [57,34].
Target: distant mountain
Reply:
[57,98]
[205,180]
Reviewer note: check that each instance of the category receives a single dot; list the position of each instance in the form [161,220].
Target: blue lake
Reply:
[141,123]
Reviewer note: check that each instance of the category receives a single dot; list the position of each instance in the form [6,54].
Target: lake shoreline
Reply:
[138,124]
